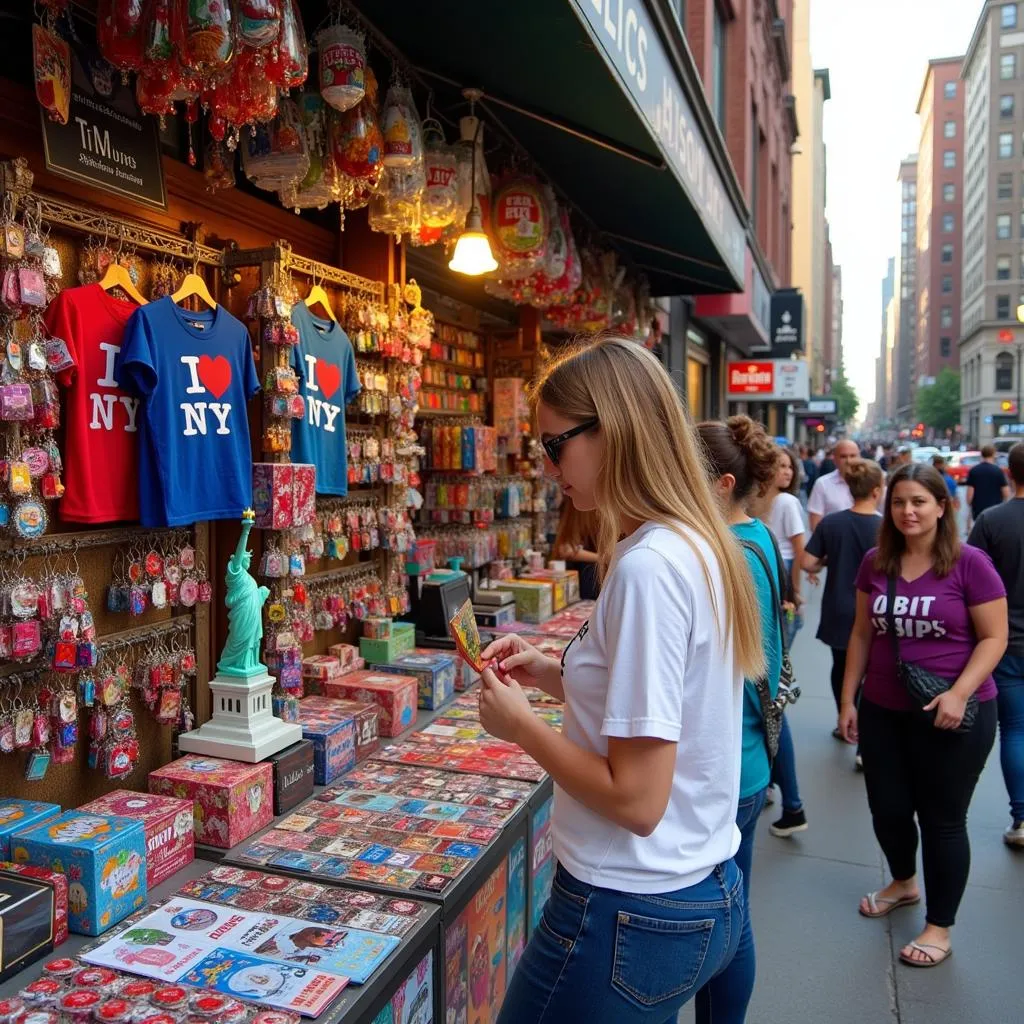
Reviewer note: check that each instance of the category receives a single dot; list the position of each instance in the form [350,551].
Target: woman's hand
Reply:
[515,655]
[949,710]
[503,707]
[848,723]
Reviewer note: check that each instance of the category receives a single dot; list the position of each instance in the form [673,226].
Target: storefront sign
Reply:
[106,143]
[632,46]
[787,323]
[769,380]
[822,406]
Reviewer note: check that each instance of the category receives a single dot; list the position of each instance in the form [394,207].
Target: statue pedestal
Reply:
[243,727]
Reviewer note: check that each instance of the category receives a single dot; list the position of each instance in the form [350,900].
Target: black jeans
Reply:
[838,671]
[910,767]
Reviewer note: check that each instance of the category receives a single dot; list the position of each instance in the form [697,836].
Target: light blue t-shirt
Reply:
[756,772]
[326,368]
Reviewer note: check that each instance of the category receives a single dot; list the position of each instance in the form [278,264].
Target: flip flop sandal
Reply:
[874,899]
[932,961]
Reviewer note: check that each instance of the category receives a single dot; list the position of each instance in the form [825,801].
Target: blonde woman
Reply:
[647,903]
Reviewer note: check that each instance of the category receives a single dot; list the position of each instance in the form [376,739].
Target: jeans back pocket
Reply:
[655,959]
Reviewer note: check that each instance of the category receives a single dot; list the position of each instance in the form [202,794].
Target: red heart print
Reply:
[215,374]
[328,376]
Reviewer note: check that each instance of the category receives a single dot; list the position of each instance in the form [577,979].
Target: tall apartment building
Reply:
[991,340]
[883,411]
[940,175]
[837,315]
[905,296]
[829,363]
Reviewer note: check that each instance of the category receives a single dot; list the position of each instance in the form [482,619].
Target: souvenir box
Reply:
[17,815]
[534,600]
[396,696]
[293,774]
[320,666]
[346,655]
[377,628]
[58,881]
[283,494]
[379,652]
[104,858]
[26,922]
[170,840]
[365,715]
[435,672]
[334,744]
[232,800]
[465,675]
[304,494]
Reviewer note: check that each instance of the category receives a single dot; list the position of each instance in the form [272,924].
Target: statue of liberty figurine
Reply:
[244,600]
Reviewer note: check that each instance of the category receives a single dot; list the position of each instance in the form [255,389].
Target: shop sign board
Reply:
[632,47]
[107,142]
[787,323]
[822,406]
[769,380]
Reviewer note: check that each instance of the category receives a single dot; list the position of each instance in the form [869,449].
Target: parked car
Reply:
[923,453]
[958,465]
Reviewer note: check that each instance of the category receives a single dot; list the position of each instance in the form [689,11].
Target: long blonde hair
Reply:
[653,469]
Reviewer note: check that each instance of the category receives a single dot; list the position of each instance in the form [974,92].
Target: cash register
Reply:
[442,594]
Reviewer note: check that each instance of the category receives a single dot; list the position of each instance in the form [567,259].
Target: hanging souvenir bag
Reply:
[403,144]
[274,155]
[440,199]
[342,53]
[520,224]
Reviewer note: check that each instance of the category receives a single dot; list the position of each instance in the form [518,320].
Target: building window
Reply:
[1002,268]
[718,65]
[755,166]
[949,159]
[949,193]
[947,253]
[1002,307]
[1008,16]
[947,284]
[1005,145]
[945,347]
[1006,106]
[1004,187]
[1008,67]
[1004,371]
[1002,226]
[949,130]
[950,90]
[947,223]
[946,316]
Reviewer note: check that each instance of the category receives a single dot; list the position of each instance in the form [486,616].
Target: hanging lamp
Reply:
[473,255]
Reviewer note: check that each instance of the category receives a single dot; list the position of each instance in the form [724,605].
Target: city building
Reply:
[991,340]
[883,411]
[940,194]
[905,297]
[891,344]
[828,358]
[837,315]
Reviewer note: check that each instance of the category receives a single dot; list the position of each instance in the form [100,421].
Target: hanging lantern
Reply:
[441,197]
[292,53]
[218,166]
[520,226]
[342,66]
[259,22]
[51,63]
[274,155]
[119,25]
[209,37]
[357,140]
[317,188]
[403,144]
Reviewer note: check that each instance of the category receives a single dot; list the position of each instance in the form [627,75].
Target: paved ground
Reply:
[818,960]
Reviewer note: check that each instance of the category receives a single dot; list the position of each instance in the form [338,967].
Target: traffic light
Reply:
[1008,405]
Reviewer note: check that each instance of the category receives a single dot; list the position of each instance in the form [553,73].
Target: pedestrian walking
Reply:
[647,902]
[986,484]
[810,474]
[839,544]
[830,493]
[742,460]
[784,517]
[932,611]
[999,532]
[939,462]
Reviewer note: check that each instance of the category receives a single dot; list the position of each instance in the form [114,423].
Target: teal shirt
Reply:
[756,773]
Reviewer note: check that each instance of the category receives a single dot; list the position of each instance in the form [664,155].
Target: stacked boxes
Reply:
[334,743]
[17,815]
[435,671]
[57,881]
[396,696]
[293,774]
[379,652]
[317,669]
[283,494]
[534,600]
[366,717]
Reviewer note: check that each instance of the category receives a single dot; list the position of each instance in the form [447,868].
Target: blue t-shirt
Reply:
[326,367]
[194,374]
[950,484]
[755,771]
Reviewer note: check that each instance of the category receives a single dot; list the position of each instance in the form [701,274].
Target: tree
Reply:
[846,398]
[938,404]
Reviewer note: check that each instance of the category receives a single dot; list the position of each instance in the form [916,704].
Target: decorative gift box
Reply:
[401,641]
[557,583]
[365,715]
[334,744]
[26,927]
[396,696]
[285,706]
[170,840]
[320,667]
[304,494]
[346,655]
[17,815]
[534,600]
[377,628]
[58,881]
[232,800]
[104,858]
[283,494]
[293,775]
[435,672]
[465,675]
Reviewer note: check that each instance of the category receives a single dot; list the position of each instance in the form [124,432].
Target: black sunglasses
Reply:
[553,444]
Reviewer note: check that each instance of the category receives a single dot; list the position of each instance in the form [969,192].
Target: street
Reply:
[818,959]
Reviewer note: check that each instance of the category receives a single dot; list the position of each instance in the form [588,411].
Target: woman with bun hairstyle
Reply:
[742,463]
[647,903]
[946,617]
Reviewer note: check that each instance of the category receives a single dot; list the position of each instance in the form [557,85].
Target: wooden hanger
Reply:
[118,277]
[318,297]
[194,285]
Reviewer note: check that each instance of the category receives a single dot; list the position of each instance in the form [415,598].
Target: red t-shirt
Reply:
[101,450]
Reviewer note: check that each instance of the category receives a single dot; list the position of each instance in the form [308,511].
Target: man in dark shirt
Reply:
[986,483]
[1000,533]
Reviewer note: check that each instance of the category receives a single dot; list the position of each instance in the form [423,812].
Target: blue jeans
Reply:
[604,957]
[725,998]
[784,770]
[794,625]
[1009,676]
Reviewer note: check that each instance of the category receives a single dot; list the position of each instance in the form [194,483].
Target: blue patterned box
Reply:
[104,858]
[17,815]
[435,671]
[334,744]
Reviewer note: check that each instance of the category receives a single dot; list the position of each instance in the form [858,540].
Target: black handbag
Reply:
[922,685]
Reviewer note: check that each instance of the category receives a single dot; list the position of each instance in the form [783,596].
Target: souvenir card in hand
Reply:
[462,626]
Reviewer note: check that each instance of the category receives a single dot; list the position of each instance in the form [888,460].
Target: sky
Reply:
[876,52]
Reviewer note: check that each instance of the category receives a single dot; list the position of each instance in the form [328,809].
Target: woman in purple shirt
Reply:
[950,615]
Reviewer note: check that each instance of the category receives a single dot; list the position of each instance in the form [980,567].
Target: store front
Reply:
[194,215]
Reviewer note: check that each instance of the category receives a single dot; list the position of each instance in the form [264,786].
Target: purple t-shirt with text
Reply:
[933,622]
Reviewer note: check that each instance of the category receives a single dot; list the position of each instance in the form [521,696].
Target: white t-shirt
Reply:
[786,520]
[653,661]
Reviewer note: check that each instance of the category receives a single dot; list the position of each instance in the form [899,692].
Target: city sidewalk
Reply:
[819,961]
